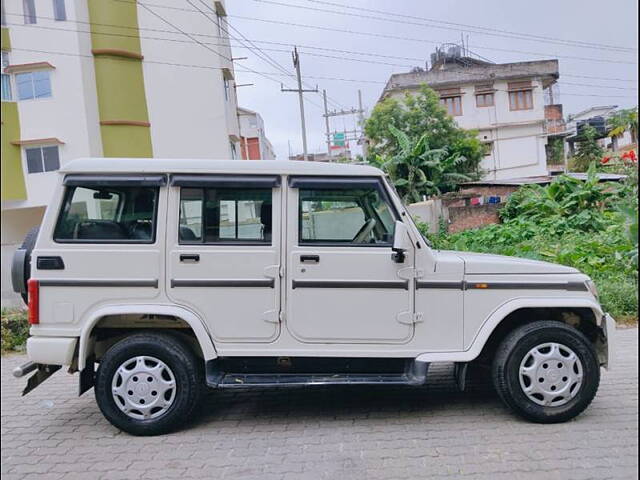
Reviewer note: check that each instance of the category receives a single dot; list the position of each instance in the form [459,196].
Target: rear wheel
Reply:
[148,384]
[546,371]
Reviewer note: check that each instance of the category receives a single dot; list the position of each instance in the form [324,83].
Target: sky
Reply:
[596,25]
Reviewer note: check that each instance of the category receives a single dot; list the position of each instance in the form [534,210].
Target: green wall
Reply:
[119,80]
[6,40]
[13,185]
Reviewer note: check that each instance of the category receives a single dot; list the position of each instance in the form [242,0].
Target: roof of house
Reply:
[203,166]
[592,109]
[457,73]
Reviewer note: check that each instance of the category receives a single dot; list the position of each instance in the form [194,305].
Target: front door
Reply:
[343,286]
[224,255]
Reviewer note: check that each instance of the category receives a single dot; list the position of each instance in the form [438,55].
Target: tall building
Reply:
[254,144]
[511,105]
[107,78]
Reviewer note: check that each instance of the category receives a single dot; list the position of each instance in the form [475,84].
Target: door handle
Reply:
[310,258]
[190,257]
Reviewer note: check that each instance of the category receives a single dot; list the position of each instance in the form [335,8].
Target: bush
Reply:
[15,329]
[589,226]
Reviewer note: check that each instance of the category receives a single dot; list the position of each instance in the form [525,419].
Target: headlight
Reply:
[591,286]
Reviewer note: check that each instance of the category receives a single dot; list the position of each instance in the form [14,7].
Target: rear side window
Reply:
[225,215]
[108,215]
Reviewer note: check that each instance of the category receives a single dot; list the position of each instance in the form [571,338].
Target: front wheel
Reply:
[148,384]
[546,371]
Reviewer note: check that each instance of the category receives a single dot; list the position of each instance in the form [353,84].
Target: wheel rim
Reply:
[551,374]
[143,387]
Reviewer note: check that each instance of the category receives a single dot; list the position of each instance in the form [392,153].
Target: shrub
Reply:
[589,226]
[15,329]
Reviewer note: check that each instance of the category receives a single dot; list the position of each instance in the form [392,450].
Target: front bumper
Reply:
[609,330]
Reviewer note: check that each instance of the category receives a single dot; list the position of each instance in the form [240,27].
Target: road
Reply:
[327,433]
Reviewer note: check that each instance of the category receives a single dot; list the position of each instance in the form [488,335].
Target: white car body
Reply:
[262,301]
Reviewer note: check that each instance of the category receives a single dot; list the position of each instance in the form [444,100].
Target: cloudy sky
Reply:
[598,68]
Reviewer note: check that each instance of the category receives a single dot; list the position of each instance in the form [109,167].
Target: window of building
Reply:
[59,10]
[33,85]
[108,215]
[345,216]
[3,17]
[234,152]
[488,148]
[42,159]
[227,87]
[29,9]
[484,100]
[521,100]
[225,215]
[6,78]
[453,104]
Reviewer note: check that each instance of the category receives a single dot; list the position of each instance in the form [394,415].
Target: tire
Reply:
[525,361]
[27,244]
[121,370]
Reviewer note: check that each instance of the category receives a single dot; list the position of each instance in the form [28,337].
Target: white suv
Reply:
[170,275]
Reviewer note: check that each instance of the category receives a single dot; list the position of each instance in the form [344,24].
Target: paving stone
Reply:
[326,433]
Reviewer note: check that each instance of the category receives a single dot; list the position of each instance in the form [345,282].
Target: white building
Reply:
[106,78]
[254,143]
[603,112]
[504,102]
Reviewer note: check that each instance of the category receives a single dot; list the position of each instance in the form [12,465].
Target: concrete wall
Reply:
[456,218]
[188,112]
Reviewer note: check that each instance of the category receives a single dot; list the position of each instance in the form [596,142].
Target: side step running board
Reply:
[234,380]
[416,375]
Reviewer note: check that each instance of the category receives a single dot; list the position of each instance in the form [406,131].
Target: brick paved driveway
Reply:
[326,433]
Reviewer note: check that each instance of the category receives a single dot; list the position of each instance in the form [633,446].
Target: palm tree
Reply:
[417,170]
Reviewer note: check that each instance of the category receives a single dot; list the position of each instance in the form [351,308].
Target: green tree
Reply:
[417,170]
[622,121]
[458,151]
[589,150]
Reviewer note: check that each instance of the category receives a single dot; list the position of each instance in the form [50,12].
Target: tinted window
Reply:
[108,214]
[225,215]
[352,216]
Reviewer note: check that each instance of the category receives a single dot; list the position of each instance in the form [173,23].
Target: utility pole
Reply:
[352,111]
[326,121]
[363,139]
[300,91]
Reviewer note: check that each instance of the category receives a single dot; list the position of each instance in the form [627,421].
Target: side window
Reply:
[358,216]
[42,159]
[32,85]
[225,215]
[108,215]
[59,10]
[29,10]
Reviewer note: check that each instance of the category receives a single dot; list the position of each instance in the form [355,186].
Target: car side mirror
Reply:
[401,242]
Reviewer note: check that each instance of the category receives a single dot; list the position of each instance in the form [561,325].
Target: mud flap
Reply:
[460,374]
[87,376]
[42,373]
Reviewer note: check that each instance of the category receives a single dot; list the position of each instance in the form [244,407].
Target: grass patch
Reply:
[15,329]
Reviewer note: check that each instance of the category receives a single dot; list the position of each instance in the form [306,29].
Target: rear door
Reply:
[342,284]
[224,253]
